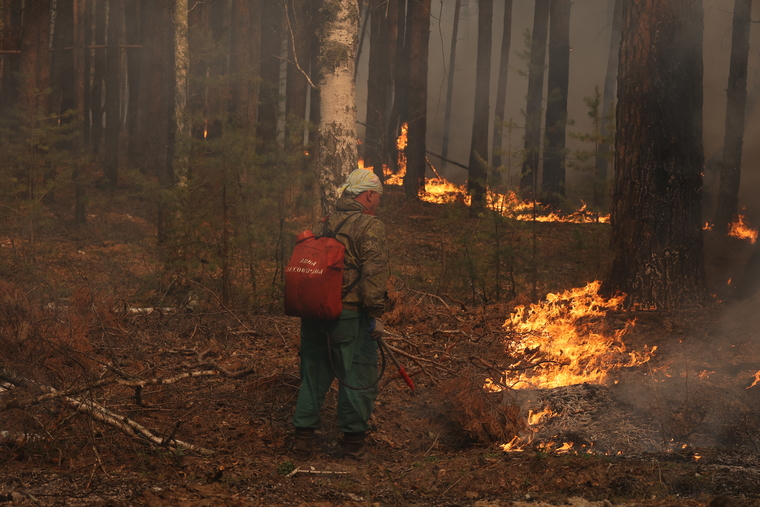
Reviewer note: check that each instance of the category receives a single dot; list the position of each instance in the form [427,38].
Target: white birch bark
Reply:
[338,154]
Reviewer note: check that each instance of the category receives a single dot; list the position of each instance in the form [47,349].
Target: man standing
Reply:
[346,347]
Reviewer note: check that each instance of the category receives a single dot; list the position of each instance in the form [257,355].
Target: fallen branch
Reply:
[312,471]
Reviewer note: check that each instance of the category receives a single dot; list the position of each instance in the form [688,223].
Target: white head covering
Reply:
[360,181]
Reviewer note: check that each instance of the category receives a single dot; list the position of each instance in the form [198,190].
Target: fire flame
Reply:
[757,379]
[741,230]
[558,346]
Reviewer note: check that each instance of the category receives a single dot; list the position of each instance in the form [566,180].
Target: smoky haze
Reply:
[590,32]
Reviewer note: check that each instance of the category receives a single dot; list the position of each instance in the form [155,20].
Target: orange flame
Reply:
[742,230]
[556,348]
[757,379]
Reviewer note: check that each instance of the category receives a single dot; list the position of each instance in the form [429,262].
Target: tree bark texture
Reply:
[399,111]
[269,90]
[98,74]
[608,95]
[35,57]
[553,178]
[79,8]
[296,85]
[9,93]
[730,174]
[378,85]
[244,59]
[656,237]
[532,144]
[477,179]
[132,38]
[337,135]
[419,18]
[113,91]
[181,86]
[450,82]
[501,87]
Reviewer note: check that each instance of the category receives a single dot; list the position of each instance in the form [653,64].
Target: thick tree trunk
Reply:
[296,85]
[113,91]
[608,95]
[553,180]
[269,91]
[244,58]
[314,106]
[399,112]
[337,134]
[419,19]
[9,92]
[656,237]
[532,144]
[35,57]
[378,86]
[477,180]
[450,82]
[730,174]
[99,70]
[501,88]
[79,9]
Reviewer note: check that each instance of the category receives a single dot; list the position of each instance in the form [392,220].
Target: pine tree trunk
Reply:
[553,180]
[246,50]
[730,174]
[450,84]
[269,90]
[337,134]
[133,38]
[656,236]
[35,57]
[501,88]
[378,86]
[296,85]
[608,95]
[79,9]
[419,18]
[113,91]
[532,144]
[9,92]
[99,70]
[477,180]
[399,111]
[181,115]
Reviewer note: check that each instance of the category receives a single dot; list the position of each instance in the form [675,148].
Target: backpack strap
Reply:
[335,233]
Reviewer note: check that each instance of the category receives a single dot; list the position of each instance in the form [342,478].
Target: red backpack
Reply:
[314,277]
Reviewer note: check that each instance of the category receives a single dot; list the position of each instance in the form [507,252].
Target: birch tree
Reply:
[181,117]
[338,154]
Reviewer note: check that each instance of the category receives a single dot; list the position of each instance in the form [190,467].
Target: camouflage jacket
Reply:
[366,267]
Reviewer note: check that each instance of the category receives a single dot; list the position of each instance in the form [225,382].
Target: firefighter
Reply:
[352,352]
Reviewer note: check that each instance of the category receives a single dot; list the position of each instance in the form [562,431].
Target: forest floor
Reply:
[680,429]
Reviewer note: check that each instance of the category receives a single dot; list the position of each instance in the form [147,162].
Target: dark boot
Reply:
[303,445]
[355,446]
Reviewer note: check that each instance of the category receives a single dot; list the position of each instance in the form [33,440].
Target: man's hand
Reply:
[377,330]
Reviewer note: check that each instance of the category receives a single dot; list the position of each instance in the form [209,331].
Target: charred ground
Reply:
[681,430]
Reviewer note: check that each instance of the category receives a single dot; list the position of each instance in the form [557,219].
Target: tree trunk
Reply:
[337,135]
[399,112]
[314,101]
[269,90]
[378,86]
[246,50]
[608,96]
[477,180]
[113,91]
[99,70]
[79,9]
[553,180]
[656,236]
[532,144]
[730,174]
[419,22]
[181,157]
[9,92]
[134,56]
[501,88]
[35,58]
[450,83]
[296,85]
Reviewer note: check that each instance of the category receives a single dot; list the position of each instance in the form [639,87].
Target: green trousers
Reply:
[354,358]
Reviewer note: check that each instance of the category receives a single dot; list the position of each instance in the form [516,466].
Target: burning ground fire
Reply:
[556,344]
